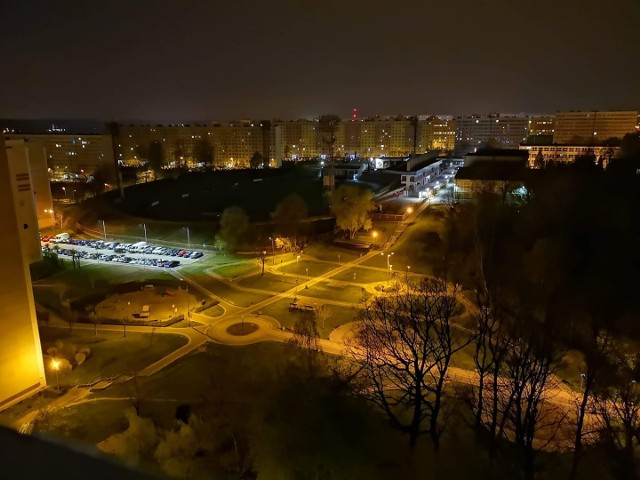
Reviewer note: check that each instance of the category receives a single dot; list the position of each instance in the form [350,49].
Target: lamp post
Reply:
[64,189]
[188,238]
[297,272]
[55,364]
[104,230]
[406,275]
[144,227]
[188,306]
[388,258]
[273,250]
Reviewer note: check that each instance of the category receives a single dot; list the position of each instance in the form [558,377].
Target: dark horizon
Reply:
[198,62]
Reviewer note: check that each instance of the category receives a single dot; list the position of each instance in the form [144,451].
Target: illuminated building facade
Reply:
[436,133]
[568,153]
[21,365]
[541,125]
[593,127]
[73,157]
[475,130]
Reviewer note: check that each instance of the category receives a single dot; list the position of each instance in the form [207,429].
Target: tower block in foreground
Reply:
[21,365]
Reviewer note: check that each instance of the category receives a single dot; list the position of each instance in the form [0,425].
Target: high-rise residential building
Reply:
[233,143]
[473,131]
[436,132]
[299,139]
[541,125]
[393,137]
[593,127]
[71,156]
[21,363]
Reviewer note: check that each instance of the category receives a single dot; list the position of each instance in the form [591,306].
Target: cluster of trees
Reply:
[552,275]
[553,279]
[154,154]
[289,223]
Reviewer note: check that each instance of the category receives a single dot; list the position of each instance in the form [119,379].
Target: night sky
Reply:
[171,61]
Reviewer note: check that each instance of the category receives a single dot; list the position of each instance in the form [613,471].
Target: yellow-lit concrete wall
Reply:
[21,365]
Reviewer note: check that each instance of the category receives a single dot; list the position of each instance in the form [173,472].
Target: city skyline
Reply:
[198,62]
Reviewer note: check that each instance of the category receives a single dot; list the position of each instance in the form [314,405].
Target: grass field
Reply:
[111,353]
[236,270]
[362,275]
[413,248]
[335,291]
[339,316]
[269,281]
[314,268]
[233,295]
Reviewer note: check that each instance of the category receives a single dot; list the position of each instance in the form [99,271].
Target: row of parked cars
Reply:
[105,257]
[122,248]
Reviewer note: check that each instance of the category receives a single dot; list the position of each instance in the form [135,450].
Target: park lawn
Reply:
[335,291]
[211,371]
[215,311]
[89,276]
[237,269]
[228,293]
[383,230]
[315,269]
[330,253]
[269,281]
[363,275]
[411,248]
[339,316]
[111,353]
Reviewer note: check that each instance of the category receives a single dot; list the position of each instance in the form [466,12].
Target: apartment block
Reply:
[473,131]
[593,127]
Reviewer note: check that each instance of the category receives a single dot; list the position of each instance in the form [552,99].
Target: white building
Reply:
[568,153]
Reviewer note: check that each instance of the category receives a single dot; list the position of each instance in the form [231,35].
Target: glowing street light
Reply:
[375,234]
[406,275]
[409,210]
[55,364]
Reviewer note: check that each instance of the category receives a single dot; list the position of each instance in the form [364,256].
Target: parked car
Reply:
[196,255]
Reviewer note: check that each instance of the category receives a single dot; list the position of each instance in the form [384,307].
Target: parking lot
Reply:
[137,254]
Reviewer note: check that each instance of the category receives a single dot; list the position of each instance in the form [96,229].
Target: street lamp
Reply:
[64,189]
[297,272]
[104,230]
[406,276]
[55,364]
[388,258]
[375,234]
[188,238]
[273,250]
[188,306]
[409,210]
[144,227]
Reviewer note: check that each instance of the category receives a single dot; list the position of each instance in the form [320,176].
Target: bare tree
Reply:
[617,403]
[404,349]
[306,338]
